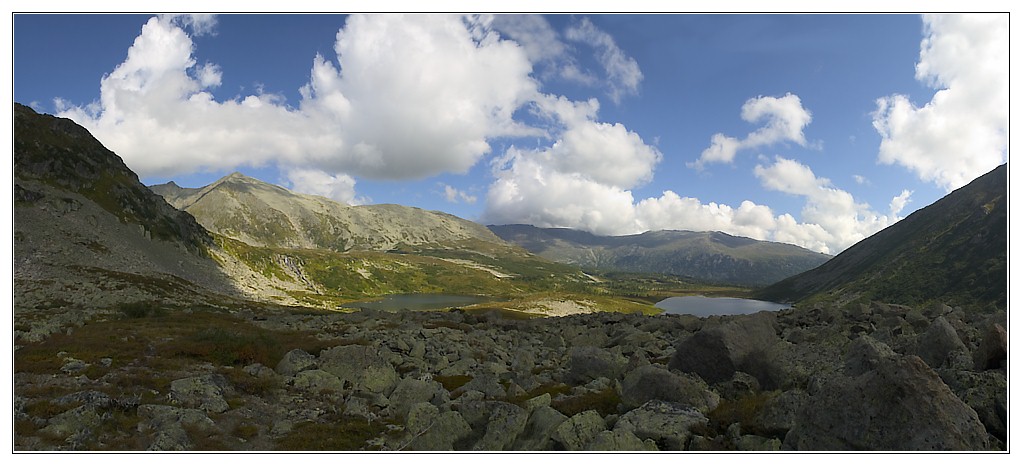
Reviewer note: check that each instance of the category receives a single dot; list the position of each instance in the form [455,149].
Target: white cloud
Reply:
[556,187]
[454,195]
[622,70]
[899,203]
[408,97]
[861,180]
[200,24]
[962,132]
[783,120]
[338,187]
[831,218]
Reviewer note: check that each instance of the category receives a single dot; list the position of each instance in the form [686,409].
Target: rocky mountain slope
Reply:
[954,251]
[263,214]
[87,234]
[704,256]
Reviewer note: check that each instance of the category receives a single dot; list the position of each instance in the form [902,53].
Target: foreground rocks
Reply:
[866,377]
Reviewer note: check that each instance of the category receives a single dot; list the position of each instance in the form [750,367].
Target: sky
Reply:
[817,130]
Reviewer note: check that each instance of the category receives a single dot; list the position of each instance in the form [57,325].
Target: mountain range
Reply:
[703,256]
[953,251]
[266,215]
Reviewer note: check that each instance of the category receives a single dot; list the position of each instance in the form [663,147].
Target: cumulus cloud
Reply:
[338,187]
[565,185]
[783,120]
[405,97]
[962,132]
[899,203]
[624,75]
[454,195]
[832,220]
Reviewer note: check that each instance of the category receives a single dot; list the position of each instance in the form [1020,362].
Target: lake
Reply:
[418,302]
[701,306]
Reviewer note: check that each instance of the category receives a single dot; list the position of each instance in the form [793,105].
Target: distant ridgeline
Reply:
[703,256]
[953,251]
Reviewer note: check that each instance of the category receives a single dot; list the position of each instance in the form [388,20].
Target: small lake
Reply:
[417,302]
[701,306]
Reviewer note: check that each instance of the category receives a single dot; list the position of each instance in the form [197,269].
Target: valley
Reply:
[215,319]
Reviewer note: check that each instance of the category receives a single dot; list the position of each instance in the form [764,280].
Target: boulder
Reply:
[717,352]
[778,414]
[317,381]
[898,404]
[506,422]
[295,361]
[668,424]
[442,431]
[204,392]
[81,420]
[865,354]
[618,441]
[652,382]
[540,426]
[992,352]
[588,363]
[576,433]
[938,343]
[485,382]
[361,365]
[411,391]
[167,424]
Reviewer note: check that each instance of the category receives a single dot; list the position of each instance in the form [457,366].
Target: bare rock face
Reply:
[889,403]
[718,352]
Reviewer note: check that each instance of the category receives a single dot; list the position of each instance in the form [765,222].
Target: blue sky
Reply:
[817,130]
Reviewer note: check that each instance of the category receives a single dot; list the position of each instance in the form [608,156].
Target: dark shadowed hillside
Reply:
[953,251]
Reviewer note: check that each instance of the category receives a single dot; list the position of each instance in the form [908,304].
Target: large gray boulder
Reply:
[411,391]
[939,343]
[618,441]
[718,352]
[317,381]
[295,361]
[889,403]
[204,392]
[992,351]
[652,382]
[506,422]
[589,363]
[540,427]
[666,423]
[576,433]
[362,365]
[435,431]
[168,425]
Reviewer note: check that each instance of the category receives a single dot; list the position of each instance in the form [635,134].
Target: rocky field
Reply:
[859,377]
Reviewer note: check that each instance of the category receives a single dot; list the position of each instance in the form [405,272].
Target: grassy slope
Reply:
[953,251]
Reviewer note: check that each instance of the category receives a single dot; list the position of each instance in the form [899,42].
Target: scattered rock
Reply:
[668,424]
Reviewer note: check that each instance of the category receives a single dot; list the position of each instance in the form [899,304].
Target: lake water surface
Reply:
[701,306]
[418,302]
